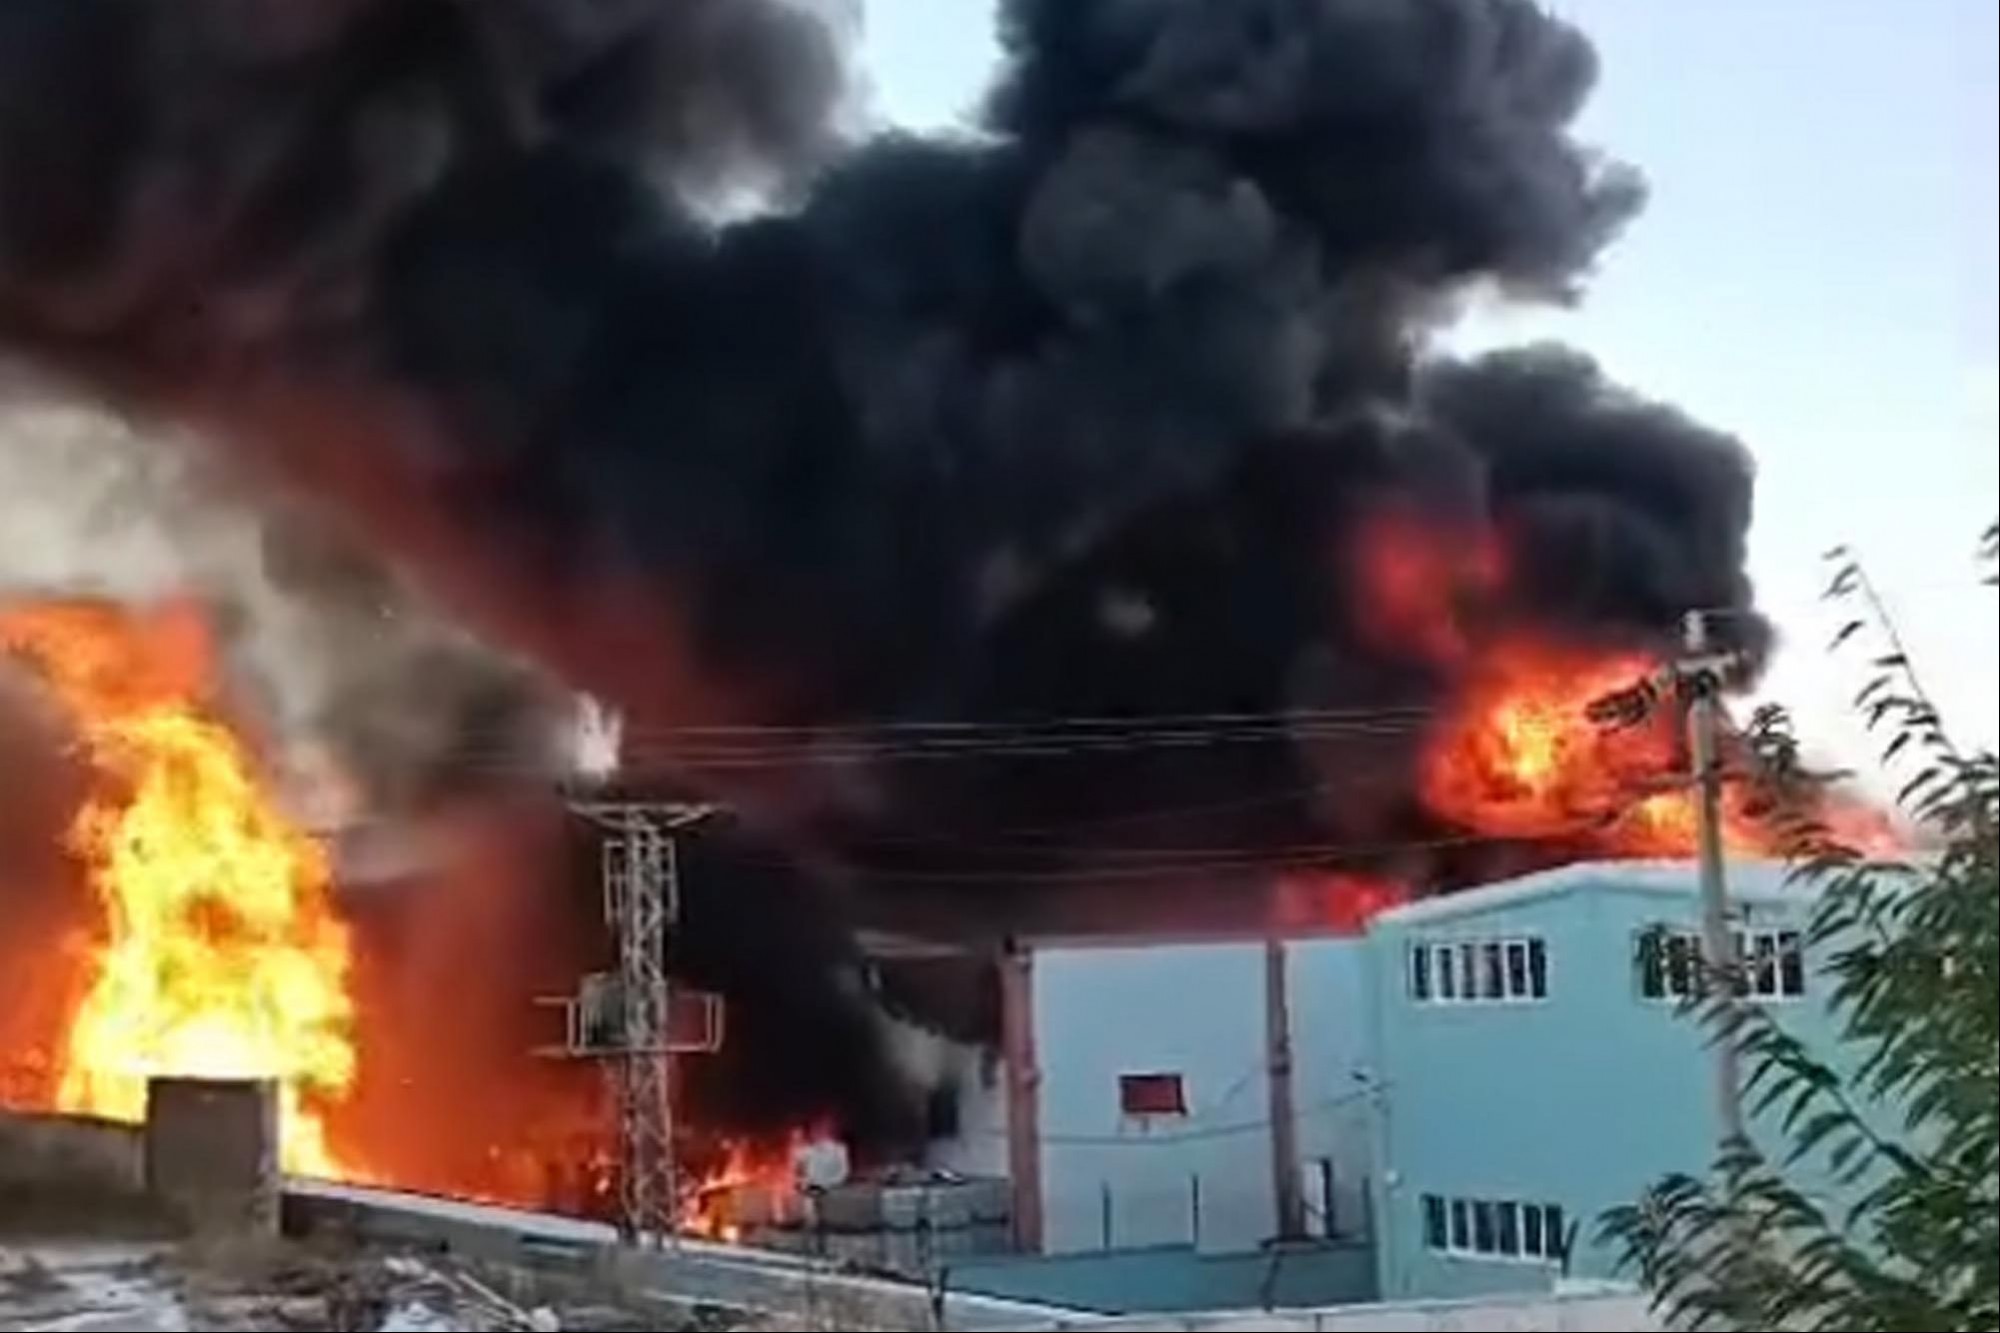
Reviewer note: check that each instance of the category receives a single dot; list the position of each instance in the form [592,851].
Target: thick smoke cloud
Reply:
[1082,415]
[1623,513]
[374,704]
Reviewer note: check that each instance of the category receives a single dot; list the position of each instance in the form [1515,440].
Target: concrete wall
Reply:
[1607,1313]
[1197,1010]
[212,1153]
[1175,1278]
[51,1155]
[689,1272]
[205,1160]
[1581,1099]
[979,1148]
[1330,1003]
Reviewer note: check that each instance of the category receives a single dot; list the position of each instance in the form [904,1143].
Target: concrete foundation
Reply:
[212,1154]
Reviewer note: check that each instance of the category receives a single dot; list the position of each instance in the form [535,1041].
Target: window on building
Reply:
[1778,970]
[1651,961]
[1151,1095]
[1762,961]
[1670,965]
[1683,967]
[1492,1228]
[1501,970]
[1517,967]
[1436,1236]
[1792,963]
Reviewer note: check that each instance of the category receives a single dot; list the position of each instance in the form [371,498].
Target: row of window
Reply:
[1480,971]
[1516,968]
[1494,1228]
[1670,964]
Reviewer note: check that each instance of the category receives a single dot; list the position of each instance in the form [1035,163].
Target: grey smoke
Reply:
[378,704]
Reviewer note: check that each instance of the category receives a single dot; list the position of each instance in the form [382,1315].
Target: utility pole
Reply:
[1022,1063]
[1285,1182]
[1700,683]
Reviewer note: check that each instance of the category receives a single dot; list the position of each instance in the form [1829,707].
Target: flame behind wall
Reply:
[217,951]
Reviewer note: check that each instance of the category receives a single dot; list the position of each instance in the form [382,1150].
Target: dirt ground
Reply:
[84,1287]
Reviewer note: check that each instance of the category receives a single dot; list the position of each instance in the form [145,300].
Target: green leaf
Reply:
[1877,1210]
[1917,784]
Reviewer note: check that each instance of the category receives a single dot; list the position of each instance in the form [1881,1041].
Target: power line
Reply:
[1228,1130]
[764,756]
[1056,745]
[732,739]
[767,755]
[1029,834]
[1085,722]
[1294,856]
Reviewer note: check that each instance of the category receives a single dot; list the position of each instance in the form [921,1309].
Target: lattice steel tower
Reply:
[628,1022]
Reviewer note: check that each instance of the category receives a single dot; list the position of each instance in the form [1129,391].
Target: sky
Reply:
[1815,273]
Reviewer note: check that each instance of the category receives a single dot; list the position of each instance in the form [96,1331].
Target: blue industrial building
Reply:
[1536,1068]
[1471,1082]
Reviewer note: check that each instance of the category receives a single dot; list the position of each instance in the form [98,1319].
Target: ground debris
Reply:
[69,1288]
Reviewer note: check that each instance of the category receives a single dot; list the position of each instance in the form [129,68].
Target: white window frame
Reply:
[1549,1239]
[1751,942]
[1447,961]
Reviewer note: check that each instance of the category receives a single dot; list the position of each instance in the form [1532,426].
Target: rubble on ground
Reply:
[65,1287]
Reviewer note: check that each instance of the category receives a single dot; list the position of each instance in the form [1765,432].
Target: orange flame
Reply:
[751,1179]
[1519,756]
[1414,580]
[219,953]
[1334,901]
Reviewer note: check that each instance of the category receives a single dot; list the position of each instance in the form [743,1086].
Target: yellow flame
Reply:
[221,955]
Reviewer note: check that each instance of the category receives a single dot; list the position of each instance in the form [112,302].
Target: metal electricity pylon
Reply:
[627,1019]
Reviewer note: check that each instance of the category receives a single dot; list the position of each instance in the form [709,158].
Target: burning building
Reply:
[1037,531]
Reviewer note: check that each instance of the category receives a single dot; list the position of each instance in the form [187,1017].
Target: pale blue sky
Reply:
[1816,273]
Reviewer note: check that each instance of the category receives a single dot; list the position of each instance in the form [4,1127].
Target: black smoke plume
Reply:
[1076,416]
